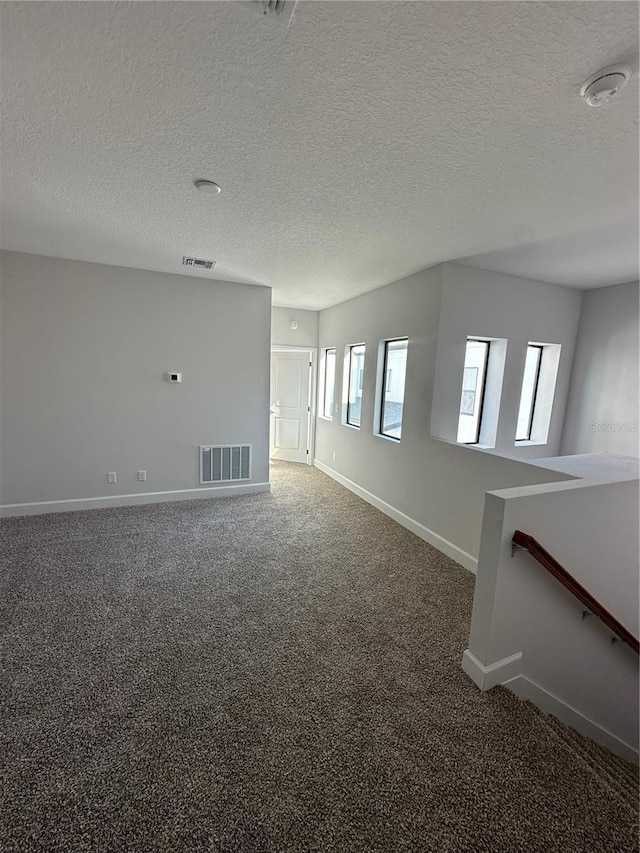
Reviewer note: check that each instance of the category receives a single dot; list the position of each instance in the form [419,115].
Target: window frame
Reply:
[480,402]
[347,420]
[323,382]
[386,382]
[534,396]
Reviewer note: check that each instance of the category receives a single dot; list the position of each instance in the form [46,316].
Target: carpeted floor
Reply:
[270,673]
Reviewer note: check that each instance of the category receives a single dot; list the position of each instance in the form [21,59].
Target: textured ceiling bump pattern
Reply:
[363,142]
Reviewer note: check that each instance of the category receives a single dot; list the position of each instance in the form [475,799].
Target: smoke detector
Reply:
[198,263]
[605,85]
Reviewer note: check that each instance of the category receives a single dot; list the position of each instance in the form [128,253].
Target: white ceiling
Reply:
[363,142]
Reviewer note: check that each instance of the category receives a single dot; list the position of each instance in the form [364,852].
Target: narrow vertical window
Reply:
[393,373]
[328,382]
[530,381]
[356,381]
[473,385]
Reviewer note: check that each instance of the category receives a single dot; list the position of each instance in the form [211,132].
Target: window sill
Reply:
[482,447]
[525,442]
[387,437]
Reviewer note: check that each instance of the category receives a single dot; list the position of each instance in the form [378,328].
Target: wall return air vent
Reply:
[198,263]
[225,463]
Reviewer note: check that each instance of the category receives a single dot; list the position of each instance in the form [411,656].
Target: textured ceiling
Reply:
[361,143]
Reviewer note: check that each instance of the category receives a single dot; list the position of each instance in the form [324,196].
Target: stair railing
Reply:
[522,541]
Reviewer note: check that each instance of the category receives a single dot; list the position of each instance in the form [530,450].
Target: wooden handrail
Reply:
[523,540]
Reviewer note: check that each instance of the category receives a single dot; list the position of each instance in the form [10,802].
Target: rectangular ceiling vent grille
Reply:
[272,7]
[225,463]
[199,263]
[281,10]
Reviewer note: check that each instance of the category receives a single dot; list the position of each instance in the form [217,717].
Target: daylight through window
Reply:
[328,382]
[356,380]
[472,397]
[530,381]
[393,379]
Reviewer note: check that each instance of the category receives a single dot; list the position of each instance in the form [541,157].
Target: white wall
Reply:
[0,382]
[84,351]
[568,664]
[306,335]
[438,485]
[602,412]
[485,304]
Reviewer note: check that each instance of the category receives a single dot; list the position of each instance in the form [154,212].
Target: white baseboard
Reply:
[489,676]
[550,704]
[10,510]
[467,560]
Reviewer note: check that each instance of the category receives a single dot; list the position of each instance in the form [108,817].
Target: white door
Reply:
[290,406]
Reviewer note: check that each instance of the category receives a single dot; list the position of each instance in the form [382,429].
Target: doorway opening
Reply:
[292,407]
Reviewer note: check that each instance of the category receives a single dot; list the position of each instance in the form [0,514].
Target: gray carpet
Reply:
[270,673]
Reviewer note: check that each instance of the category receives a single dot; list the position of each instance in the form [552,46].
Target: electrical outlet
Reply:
[142,476]
[111,477]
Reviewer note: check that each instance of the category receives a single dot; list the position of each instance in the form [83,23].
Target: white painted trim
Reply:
[523,688]
[313,393]
[9,510]
[453,551]
[486,677]
[288,348]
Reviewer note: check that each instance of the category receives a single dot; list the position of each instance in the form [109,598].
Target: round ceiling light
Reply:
[207,187]
[605,85]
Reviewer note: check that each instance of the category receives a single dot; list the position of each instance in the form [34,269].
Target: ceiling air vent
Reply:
[199,263]
[281,9]
[270,7]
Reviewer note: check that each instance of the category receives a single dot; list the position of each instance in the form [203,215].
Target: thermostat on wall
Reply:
[174,377]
